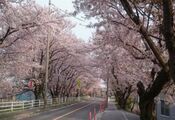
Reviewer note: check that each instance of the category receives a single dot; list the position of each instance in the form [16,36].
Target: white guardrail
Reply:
[21,105]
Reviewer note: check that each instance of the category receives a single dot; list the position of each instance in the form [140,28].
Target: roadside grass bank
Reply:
[22,114]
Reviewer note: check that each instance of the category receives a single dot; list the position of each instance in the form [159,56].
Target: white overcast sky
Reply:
[80,30]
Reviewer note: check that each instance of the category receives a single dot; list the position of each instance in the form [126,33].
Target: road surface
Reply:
[80,111]
[77,111]
[111,113]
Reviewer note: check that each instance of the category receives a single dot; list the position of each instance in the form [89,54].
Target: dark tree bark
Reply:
[169,34]
[39,86]
[121,94]
[146,96]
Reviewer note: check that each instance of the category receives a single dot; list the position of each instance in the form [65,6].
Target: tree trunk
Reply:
[146,109]
[122,103]
[147,96]
[132,107]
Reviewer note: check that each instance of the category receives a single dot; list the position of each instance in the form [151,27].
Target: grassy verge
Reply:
[129,105]
[11,116]
[22,114]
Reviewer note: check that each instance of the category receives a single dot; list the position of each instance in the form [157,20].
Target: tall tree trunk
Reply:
[169,34]
[119,97]
[146,97]
[132,107]
[146,109]
[122,103]
[168,70]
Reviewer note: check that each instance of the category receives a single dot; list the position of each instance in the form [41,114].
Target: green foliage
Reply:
[128,105]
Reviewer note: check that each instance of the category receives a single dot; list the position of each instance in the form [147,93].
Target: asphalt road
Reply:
[78,111]
[112,113]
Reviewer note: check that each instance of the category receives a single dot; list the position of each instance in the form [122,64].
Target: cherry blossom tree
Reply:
[24,36]
[126,63]
[153,20]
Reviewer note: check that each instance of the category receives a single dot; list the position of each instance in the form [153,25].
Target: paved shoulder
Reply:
[130,116]
[77,111]
[111,113]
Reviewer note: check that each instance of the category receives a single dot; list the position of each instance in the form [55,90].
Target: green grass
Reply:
[9,115]
[22,114]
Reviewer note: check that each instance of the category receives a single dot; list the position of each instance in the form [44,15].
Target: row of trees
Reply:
[138,39]
[24,28]
[133,46]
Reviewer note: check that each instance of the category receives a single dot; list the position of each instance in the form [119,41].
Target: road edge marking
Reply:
[66,106]
[124,115]
[71,112]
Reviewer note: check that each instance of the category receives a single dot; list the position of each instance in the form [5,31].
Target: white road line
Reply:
[124,115]
[65,106]
[71,112]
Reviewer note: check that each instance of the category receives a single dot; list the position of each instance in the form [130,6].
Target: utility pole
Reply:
[94,93]
[107,89]
[79,88]
[47,62]
[79,91]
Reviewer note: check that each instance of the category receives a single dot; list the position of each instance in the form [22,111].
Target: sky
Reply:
[80,30]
